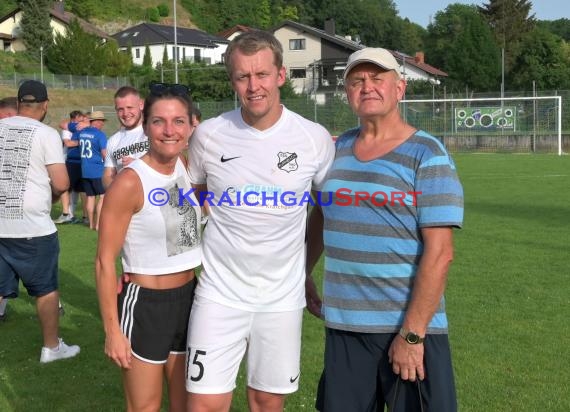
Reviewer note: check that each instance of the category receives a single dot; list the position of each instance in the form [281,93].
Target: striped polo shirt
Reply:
[372,232]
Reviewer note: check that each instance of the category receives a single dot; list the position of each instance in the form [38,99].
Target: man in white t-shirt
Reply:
[130,142]
[257,165]
[33,175]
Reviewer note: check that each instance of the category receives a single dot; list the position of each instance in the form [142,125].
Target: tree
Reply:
[207,82]
[281,12]
[412,37]
[545,61]
[82,8]
[152,14]
[78,52]
[164,55]
[510,22]
[118,63]
[461,43]
[35,25]
[560,27]
[163,10]
[147,58]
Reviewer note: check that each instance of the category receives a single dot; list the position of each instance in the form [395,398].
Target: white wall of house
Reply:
[12,26]
[185,52]
[413,73]
[299,59]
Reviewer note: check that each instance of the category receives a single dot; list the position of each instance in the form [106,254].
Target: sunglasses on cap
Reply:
[160,89]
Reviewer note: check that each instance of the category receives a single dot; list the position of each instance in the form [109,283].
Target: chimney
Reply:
[330,27]
[419,57]
[59,6]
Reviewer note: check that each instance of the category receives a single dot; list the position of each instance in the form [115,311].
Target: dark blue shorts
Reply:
[358,376]
[93,187]
[74,172]
[33,260]
[156,321]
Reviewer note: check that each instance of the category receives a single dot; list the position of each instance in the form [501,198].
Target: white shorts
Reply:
[219,336]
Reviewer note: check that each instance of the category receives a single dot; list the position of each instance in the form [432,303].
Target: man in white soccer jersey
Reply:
[251,292]
[130,142]
[33,175]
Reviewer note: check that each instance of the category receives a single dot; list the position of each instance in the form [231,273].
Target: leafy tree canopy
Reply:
[462,43]
[35,26]
[510,21]
[545,61]
[560,27]
[78,52]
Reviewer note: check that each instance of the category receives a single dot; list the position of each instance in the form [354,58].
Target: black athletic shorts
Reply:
[93,187]
[156,320]
[74,172]
[358,376]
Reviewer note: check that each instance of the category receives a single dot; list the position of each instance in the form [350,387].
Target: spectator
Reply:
[72,153]
[32,176]
[93,145]
[386,262]
[129,142]
[8,107]
[146,329]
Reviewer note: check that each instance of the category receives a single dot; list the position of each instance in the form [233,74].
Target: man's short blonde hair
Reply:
[250,43]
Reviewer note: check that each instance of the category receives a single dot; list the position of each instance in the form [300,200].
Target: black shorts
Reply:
[358,376]
[156,321]
[74,172]
[93,187]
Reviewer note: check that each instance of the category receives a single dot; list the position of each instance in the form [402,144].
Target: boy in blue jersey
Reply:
[388,245]
[93,146]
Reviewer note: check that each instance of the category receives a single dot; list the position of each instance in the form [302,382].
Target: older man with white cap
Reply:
[386,255]
[33,175]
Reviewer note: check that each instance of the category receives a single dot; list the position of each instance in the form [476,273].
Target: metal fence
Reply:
[65,81]
[432,115]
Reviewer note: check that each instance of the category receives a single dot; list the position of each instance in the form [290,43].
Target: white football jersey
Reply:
[259,184]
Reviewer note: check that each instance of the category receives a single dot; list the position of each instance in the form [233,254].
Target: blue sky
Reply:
[419,11]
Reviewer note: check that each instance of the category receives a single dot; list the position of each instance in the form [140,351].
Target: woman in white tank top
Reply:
[156,230]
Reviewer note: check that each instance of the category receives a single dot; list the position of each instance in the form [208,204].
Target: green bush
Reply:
[163,10]
[152,14]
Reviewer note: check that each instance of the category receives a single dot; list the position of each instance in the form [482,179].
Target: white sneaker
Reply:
[3,308]
[63,219]
[63,351]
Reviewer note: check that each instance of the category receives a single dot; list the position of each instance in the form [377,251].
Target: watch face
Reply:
[412,338]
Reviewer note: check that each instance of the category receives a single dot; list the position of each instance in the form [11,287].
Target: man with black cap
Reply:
[387,255]
[32,177]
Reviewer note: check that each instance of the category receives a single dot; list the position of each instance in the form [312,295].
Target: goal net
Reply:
[510,124]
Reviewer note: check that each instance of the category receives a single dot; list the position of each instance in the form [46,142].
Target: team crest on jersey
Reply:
[287,161]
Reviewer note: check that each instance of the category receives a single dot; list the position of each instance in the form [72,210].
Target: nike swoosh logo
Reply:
[227,159]
[292,380]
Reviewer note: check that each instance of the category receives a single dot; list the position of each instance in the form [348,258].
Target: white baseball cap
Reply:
[379,57]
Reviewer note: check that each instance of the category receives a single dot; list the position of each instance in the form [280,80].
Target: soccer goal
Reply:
[510,124]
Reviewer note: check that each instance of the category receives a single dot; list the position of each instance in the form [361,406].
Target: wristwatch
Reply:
[411,337]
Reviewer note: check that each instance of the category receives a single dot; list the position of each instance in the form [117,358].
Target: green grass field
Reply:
[507,300]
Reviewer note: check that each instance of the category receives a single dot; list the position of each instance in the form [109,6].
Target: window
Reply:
[297,44]
[298,73]
[197,55]
[137,53]
[176,53]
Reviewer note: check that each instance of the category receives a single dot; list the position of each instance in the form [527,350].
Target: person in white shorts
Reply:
[130,142]
[256,164]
